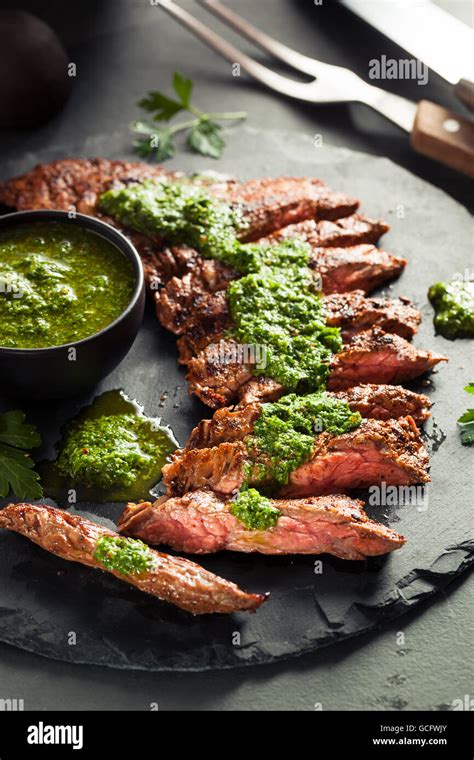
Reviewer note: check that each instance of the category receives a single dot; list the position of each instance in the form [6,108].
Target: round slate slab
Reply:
[71,613]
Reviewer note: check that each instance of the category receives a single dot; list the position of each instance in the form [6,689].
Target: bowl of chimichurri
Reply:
[72,297]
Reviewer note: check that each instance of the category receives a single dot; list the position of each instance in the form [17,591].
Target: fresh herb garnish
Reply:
[466,421]
[204,131]
[16,466]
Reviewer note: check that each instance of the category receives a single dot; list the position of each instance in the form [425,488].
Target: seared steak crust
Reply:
[228,424]
[173,579]
[385,402]
[217,383]
[377,451]
[378,357]
[187,301]
[359,267]
[271,203]
[259,389]
[74,182]
[352,312]
[350,230]
[200,522]
[209,330]
[161,263]
[222,468]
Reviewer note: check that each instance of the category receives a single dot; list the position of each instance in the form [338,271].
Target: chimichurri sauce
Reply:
[255,511]
[59,283]
[273,305]
[454,306]
[276,308]
[126,556]
[110,452]
[178,211]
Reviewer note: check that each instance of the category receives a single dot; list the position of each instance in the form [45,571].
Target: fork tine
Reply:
[234,55]
[277,49]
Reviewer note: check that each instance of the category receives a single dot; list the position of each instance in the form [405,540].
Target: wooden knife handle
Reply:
[444,136]
[464,91]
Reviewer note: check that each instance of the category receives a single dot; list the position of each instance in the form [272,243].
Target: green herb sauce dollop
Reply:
[59,283]
[255,511]
[126,556]
[454,306]
[276,308]
[177,211]
[286,429]
[111,452]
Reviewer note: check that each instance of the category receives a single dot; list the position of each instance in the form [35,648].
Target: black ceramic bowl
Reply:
[37,374]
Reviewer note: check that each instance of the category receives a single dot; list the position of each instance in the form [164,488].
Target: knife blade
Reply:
[429,33]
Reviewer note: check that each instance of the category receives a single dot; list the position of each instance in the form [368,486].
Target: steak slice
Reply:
[259,389]
[358,267]
[380,402]
[385,402]
[219,373]
[215,379]
[350,230]
[227,425]
[222,468]
[207,331]
[268,203]
[378,357]
[184,304]
[219,379]
[183,301]
[172,579]
[200,522]
[390,452]
[186,301]
[161,263]
[353,313]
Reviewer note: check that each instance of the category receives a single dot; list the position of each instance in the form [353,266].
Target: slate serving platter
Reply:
[71,613]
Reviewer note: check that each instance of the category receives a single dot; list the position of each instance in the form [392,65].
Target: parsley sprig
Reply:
[204,131]
[466,421]
[16,466]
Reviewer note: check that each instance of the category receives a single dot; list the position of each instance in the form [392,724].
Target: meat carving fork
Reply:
[434,131]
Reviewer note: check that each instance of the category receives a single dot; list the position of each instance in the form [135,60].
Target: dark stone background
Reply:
[122,49]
